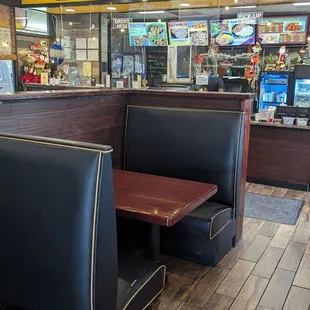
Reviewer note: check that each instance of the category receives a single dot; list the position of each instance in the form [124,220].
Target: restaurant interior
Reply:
[155,155]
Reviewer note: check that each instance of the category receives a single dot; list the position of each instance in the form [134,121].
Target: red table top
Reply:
[158,200]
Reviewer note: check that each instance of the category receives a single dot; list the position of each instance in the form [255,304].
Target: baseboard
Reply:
[296,186]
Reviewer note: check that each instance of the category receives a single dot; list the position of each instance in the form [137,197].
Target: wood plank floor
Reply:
[268,270]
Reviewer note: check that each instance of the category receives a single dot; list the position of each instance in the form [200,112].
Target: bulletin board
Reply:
[7,33]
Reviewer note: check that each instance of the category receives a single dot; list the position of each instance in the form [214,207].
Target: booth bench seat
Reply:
[58,231]
[193,144]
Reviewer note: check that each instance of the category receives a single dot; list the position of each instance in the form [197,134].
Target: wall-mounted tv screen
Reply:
[283,30]
[148,34]
[230,32]
[188,33]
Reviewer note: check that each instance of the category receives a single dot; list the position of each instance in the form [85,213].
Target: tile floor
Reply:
[268,270]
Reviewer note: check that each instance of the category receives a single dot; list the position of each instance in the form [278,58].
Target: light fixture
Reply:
[111,8]
[151,12]
[94,38]
[227,8]
[70,10]
[301,3]
[309,38]
[245,7]
[159,20]
[236,1]
[57,40]
[122,30]
[269,23]
[70,23]
[21,18]
[185,4]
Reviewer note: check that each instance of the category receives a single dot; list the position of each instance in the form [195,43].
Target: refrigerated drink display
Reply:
[302,86]
[274,89]
[302,93]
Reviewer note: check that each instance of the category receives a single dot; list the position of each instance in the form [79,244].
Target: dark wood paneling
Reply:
[280,154]
[96,119]
[187,102]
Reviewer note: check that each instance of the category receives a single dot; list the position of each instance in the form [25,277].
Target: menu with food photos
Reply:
[148,34]
[283,30]
[188,33]
[230,32]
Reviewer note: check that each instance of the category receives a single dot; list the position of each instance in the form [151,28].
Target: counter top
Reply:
[51,94]
[57,86]
[255,123]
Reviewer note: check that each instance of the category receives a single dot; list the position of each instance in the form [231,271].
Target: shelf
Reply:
[273,102]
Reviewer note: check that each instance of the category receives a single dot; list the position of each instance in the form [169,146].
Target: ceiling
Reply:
[201,7]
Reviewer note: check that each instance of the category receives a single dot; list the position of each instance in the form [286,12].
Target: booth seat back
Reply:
[192,144]
[57,225]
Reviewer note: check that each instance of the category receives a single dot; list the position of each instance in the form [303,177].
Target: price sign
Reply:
[202,79]
[121,23]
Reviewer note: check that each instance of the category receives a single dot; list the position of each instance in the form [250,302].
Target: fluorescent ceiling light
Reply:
[111,8]
[244,7]
[21,18]
[70,10]
[301,3]
[185,4]
[151,12]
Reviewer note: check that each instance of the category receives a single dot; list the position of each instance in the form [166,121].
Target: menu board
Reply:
[283,30]
[148,34]
[188,33]
[157,64]
[232,33]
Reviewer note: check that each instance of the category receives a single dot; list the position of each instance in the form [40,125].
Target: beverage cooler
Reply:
[275,89]
[302,86]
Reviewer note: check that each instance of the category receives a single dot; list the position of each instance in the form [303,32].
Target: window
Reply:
[6,76]
[31,21]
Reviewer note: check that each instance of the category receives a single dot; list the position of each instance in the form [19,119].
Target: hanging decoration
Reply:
[282,56]
[36,62]
[252,70]
[57,53]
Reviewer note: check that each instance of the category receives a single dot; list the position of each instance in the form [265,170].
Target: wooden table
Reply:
[161,201]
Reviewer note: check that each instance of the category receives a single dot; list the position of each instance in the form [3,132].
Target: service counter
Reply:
[279,155]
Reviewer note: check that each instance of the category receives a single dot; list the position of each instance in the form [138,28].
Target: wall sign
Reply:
[121,23]
[249,17]
[157,64]
[202,79]
[188,33]
[232,32]
[283,30]
[148,34]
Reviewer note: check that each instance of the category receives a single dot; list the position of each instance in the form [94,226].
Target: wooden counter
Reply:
[98,116]
[279,155]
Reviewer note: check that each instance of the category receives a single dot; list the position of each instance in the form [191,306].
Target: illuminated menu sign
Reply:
[232,32]
[283,30]
[188,33]
[148,34]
